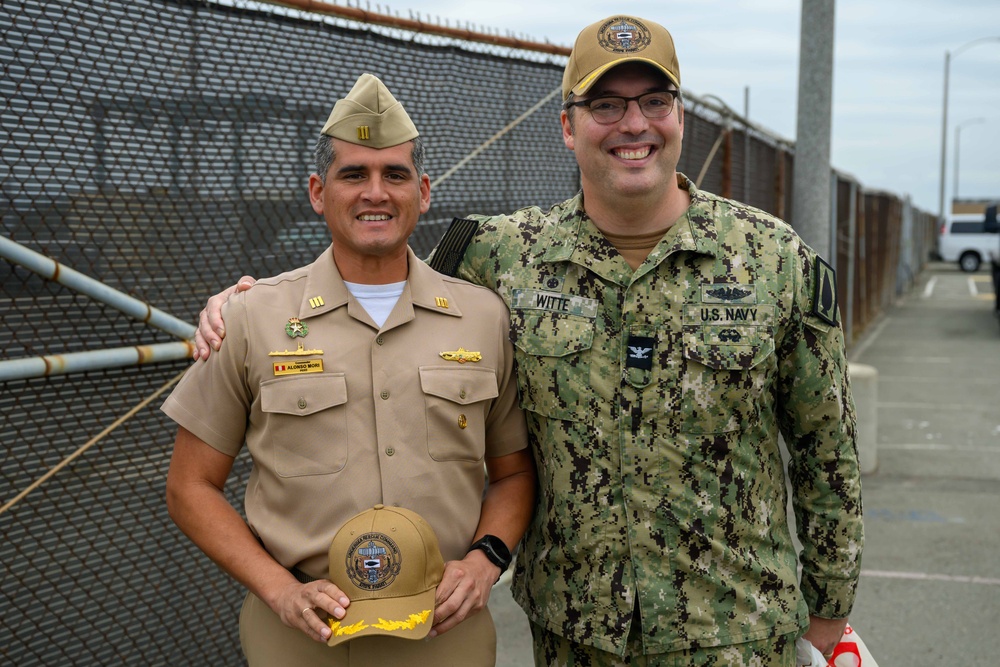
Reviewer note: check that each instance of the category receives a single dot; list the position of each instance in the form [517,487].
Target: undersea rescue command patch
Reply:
[825,292]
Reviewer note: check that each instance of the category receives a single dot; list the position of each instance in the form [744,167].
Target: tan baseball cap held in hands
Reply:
[388,562]
[614,41]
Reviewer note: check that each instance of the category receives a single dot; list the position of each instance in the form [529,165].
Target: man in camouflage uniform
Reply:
[664,338]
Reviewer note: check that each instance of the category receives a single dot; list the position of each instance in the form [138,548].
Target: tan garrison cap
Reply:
[616,40]
[388,562]
[370,116]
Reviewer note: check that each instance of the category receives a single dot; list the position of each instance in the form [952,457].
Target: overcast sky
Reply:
[888,74]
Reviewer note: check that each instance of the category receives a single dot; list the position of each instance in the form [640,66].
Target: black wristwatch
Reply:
[496,551]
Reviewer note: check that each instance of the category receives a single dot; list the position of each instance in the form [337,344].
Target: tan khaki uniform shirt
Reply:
[360,415]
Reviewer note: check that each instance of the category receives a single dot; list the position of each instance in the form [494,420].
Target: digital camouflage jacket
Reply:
[654,400]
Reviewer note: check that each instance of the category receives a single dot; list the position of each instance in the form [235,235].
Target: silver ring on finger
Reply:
[303,612]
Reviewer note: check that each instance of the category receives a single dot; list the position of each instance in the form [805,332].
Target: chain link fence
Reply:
[162,148]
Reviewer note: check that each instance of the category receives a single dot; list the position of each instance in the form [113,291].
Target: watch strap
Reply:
[495,549]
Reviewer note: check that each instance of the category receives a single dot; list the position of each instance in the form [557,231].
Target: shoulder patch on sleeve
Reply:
[825,292]
[452,246]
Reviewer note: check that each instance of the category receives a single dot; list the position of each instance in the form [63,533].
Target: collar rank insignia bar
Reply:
[316,302]
[461,355]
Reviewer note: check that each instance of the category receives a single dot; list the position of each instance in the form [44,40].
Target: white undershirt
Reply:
[377,300]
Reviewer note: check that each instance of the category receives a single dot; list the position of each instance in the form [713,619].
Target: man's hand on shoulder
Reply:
[211,328]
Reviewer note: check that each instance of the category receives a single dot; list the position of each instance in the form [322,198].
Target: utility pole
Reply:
[811,176]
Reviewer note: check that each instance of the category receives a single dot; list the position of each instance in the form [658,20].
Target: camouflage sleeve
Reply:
[817,420]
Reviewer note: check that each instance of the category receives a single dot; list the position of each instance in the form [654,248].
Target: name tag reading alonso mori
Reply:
[297,367]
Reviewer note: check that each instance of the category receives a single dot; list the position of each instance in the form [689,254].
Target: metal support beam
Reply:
[79,362]
[50,269]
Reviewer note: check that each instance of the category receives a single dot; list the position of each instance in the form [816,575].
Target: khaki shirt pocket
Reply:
[305,425]
[457,402]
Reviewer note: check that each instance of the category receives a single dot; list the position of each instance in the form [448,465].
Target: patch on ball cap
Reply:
[373,561]
[623,34]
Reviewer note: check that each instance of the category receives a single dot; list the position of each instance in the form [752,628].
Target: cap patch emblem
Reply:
[364,133]
[296,328]
[461,355]
[373,561]
[623,35]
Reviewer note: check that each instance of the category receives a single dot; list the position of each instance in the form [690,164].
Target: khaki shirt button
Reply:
[380,341]
[461,394]
[390,451]
[384,395]
[302,403]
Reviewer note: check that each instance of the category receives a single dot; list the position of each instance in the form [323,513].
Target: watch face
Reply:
[495,550]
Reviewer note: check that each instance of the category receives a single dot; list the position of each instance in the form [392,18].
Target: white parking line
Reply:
[926,576]
[929,288]
[934,406]
[973,290]
[939,447]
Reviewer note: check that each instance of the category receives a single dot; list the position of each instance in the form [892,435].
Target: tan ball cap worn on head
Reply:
[616,40]
[370,116]
[388,562]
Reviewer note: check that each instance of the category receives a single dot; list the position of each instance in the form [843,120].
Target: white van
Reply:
[964,239]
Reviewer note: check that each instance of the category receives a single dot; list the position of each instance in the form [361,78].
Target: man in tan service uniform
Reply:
[365,378]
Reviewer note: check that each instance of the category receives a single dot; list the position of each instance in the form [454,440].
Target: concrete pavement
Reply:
[930,586]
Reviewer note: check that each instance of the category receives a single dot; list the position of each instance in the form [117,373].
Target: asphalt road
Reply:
[930,585]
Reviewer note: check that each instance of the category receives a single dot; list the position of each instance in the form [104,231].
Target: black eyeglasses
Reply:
[607,110]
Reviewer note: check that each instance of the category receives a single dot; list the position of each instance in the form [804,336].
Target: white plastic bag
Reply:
[849,652]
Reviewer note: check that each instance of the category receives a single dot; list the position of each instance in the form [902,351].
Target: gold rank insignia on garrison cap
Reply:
[370,116]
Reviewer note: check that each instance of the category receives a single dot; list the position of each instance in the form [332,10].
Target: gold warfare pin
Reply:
[461,355]
[298,352]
